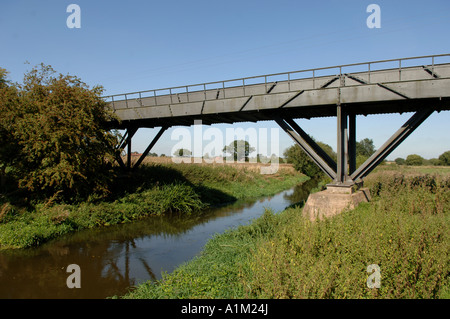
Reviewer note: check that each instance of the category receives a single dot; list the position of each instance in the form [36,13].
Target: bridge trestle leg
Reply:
[351,143]
[346,148]
[126,143]
[311,148]
[341,193]
[398,137]
[150,146]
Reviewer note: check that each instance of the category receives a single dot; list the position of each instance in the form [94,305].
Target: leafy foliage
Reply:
[303,163]
[181,152]
[400,161]
[444,158]
[239,149]
[53,137]
[365,147]
[404,231]
[414,159]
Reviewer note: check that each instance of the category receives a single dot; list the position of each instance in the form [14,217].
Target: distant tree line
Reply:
[417,160]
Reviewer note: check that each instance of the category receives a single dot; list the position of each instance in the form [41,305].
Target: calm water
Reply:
[115,258]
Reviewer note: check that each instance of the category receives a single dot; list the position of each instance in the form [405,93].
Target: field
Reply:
[252,165]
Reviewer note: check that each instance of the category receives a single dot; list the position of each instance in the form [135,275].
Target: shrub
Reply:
[414,160]
[444,158]
[54,140]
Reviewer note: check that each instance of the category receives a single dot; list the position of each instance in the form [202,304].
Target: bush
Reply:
[414,160]
[444,158]
[52,134]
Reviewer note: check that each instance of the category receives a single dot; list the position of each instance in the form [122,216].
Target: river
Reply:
[113,259]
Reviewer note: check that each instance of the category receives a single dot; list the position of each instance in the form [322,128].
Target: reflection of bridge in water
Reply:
[419,84]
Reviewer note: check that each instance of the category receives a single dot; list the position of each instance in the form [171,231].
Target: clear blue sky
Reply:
[138,45]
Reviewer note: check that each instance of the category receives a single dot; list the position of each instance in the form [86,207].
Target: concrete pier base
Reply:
[334,200]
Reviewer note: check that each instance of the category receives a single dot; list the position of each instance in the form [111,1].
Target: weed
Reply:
[404,230]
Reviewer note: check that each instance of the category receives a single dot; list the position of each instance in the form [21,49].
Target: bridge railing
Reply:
[243,86]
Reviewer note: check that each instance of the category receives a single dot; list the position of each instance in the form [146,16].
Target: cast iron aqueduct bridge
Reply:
[416,84]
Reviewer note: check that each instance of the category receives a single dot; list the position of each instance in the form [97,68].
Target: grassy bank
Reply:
[153,190]
[405,230]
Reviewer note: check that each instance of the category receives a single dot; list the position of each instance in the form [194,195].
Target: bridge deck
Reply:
[364,88]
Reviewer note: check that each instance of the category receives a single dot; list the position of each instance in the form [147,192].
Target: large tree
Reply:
[182,152]
[239,149]
[52,128]
[414,160]
[8,97]
[365,147]
[444,158]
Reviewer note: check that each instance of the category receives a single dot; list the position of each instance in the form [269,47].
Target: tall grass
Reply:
[31,228]
[405,230]
[153,190]
[218,271]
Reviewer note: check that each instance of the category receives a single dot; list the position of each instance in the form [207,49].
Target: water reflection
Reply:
[301,192]
[113,259]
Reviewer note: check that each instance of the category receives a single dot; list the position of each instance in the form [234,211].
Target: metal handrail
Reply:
[265,76]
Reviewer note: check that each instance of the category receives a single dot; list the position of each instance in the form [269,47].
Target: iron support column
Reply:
[342,147]
[129,151]
[126,142]
[315,147]
[307,144]
[150,146]
[351,142]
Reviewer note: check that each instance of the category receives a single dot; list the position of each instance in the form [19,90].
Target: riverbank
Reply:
[154,189]
[404,230]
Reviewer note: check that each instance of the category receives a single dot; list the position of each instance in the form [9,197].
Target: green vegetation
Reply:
[405,230]
[414,160]
[21,229]
[53,143]
[152,190]
[365,147]
[303,163]
[58,172]
[444,159]
[417,160]
[182,152]
[239,150]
